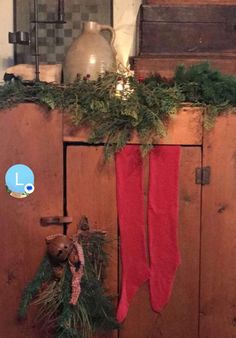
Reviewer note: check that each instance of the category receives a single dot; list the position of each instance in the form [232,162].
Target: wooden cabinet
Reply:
[170,33]
[145,65]
[28,135]
[189,2]
[218,233]
[72,177]
[186,29]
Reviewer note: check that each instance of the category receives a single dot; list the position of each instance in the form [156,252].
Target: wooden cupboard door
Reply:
[91,192]
[218,249]
[28,135]
[180,317]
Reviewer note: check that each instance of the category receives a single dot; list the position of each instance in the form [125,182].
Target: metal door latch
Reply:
[55,220]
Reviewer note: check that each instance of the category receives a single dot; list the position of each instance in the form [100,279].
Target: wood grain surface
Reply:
[28,135]
[218,249]
[166,65]
[203,303]
[189,14]
[189,2]
[184,128]
[91,191]
[174,38]
[187,29]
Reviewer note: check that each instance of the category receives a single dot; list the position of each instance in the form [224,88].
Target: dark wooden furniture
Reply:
[170,33]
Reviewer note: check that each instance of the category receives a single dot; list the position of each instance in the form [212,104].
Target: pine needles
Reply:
[44,273]
[49,95]
[94,310]
[142,106]
[204,86]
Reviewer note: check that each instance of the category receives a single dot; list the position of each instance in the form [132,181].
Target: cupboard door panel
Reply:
[28,135]
[218,275]
[180,317]
[91,192]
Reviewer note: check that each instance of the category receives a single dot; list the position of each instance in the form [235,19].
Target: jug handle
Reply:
[113,34]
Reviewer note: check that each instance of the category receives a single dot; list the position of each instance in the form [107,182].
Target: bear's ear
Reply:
[47,240]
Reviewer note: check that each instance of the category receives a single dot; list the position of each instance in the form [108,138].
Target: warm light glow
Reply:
[92,59]
[119,87]
[123,89]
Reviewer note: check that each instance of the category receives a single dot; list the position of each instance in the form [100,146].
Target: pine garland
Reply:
[94,310]
[207,87]
[44,273]
[145,106]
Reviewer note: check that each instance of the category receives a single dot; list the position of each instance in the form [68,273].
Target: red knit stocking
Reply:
[162,221]
[130,203]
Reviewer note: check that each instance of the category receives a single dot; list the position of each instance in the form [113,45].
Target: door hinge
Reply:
[202,175]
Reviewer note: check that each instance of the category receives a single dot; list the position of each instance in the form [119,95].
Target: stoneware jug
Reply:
[90,54]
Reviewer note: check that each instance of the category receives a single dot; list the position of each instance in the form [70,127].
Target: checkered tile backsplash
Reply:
[54,40]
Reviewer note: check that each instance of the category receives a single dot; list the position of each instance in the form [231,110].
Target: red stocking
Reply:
[130,203]
[162,221]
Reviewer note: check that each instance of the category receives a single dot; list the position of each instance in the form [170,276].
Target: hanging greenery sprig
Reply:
[56,316]
[116,105]
[113,117]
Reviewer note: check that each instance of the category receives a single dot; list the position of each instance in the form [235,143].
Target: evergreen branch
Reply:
[145,107]
[43,275]
[94,310]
